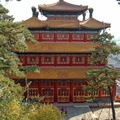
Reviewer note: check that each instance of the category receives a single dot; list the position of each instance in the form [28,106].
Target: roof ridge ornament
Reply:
[84,14]
[61,0]
[34,12]
[91,12]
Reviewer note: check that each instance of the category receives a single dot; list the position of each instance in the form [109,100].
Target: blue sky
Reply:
[104,10]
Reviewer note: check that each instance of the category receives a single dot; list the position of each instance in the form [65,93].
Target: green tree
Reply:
[102,79]
[12,38]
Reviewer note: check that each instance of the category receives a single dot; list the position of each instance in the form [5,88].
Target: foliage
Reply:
[29,111]
[47,112]
[30,68]
[12,38]
[100,79]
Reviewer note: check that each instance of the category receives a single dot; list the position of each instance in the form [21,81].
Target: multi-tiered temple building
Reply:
[62,53]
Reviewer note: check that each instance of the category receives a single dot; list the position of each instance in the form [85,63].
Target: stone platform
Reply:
[89,111]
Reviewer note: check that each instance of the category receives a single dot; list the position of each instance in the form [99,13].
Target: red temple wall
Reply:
[62,91]
[63,36]
[55,60]
[61,18]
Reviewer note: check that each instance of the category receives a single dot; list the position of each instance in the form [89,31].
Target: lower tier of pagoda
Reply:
[60,91]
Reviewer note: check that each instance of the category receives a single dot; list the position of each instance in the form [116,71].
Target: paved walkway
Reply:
[89,111]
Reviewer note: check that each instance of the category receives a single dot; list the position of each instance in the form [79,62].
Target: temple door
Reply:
[32,91]
[63,91]
[78,92]
[47,90]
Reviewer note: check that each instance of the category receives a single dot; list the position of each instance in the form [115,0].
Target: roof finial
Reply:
[61,0]
[84,14]
[91,12]
[35,13]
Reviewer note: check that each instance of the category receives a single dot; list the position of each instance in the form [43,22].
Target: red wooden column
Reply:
[71,91]
[70,37]
[55,91]
[55,36]
[86,60]
[39,88]
[85,37]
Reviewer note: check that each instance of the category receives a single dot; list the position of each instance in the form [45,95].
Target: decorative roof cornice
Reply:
[62,6]
[58,73]
[92,23]
[34,22]
[61,47]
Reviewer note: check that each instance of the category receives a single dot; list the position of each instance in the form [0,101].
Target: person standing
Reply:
[62,110]
[65,110]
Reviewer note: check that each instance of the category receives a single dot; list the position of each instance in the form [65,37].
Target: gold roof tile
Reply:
[62,23]
[33,22]
[62,6]
[92,23]
[58,73]
[61,47]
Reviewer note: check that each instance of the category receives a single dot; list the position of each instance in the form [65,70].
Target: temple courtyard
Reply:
[89,111]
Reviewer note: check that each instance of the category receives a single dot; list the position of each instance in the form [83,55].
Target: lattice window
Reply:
[48,91]
[32,60]
[95,93]
[63,36]
[78,36]
[22,59]
[63,92]
[33,92]
[63,60]
[79,92]
[36,36]
[78,59]
[47,60]
[91,35]
[88,60]
[105,93]
[48,36]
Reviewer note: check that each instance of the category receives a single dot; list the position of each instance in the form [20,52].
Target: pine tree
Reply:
[12,38]
[102,79]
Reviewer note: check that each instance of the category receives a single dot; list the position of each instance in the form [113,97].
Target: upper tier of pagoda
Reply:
[89,24]
[63,15]
[62,8]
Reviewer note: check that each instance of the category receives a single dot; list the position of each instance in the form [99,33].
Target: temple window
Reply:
[48,91]
[63,36]
[47,36]
[63,60]
[47,60]
[78,36]
[22,59]
[78,59]
[91,35]
[32,60]
[36,36]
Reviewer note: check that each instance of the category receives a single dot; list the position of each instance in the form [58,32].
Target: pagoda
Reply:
[62,52]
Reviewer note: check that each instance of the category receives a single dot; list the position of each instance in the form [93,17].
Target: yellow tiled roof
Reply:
[61,47]
[33,22]
[92,23]
[62,23]
[58,73]
[62,6]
